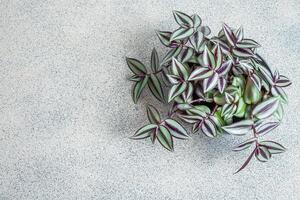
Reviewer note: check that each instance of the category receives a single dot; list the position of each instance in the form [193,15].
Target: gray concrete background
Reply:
[66,110]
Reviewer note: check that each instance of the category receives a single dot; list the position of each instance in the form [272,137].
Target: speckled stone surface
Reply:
[66,110]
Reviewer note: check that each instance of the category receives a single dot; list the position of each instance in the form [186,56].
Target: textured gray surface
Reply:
[66,111]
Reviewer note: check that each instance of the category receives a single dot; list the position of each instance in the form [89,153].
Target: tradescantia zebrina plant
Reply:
[219,85]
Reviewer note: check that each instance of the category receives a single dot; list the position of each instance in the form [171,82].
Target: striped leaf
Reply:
[164,137]
[266,128]
[196,40]
[273,147]
[224,47]
[266,108]
[239,128]
[164,37]
[283,81]
[242,53]
[262,154]
[229,35]
[256,80]
[247,44]
[174,79]
[208,128]
[221,84]
[190,118]
[208,58]
[218,57]
[176,129]
[181,33]
[179,69]
[153,115]
[155,87]
[183,19]
[196,20]
[224,68]
[239,34]
[176,90]
[210,83]
[154,61]
[172,53]
[200,73]
[138,88]
[246,162]
[245,145]
[144,132]
[279,113]
[186,54]
[278,91]
[135,78]
[136,66]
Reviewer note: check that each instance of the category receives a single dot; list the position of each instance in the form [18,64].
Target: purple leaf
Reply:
[153,115]
[266,108]
[266,127]
[256,80]
[283,81]
[229,35]
[200,73]
[243,53]
[246,162]
[221,84]
[273,147]
[208,58]
[224,68]
[244,145]
[210,83]
[164,37]
[239,128]
[176,129]
[208,128]
[183,19]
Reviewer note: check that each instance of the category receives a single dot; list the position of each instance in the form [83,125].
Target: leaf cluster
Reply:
[219,85]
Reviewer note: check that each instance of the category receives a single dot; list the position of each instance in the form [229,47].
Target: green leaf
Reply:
[186,54]
[136,66]
[155,87]
[135,78]
[176,129]
[144,132]
[179,69]
[164,137]
[138,88]
[266,108]
[181,33]
[239,128]
[154,61]
[196,20]
[176,90]
[183,19]
[218,57]
[196,40]
[172,53]
[153,114]
[164,37]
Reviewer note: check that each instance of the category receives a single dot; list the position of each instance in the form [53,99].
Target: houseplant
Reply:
[219,85]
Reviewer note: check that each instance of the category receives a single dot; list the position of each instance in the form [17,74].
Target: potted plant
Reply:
[219,85]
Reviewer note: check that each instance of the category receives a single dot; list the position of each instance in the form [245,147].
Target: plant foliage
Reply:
[219,85]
